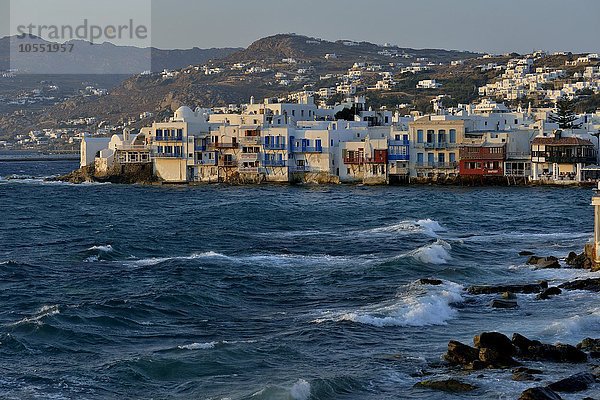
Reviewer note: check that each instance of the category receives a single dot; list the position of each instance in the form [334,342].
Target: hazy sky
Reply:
[481,25]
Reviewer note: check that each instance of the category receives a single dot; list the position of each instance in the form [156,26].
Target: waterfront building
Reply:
[560,159]
[435,141]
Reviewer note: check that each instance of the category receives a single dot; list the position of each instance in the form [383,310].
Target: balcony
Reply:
[168,138]
[399,143]
[249,170]
[354,160]
[437,165]
[212,162]
[167,155]
[437,145]
[566,159]
[223,145]
[250,140]
[200,148]
[249,156]
[132,147]
[398,157]
[274,163]
[227,163]
[274,146]
[307,149]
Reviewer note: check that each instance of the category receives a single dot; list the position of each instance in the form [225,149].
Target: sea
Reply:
[273,291]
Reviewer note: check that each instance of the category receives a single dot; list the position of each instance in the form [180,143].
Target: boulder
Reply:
[589,344]
[447,385]
[574,383]
[527,370]
[539,393]
[543,262]
[508,296]
[461,354]
[551,291]
[527,289]
[591,284]
[536,350]
[427,281]
[579,260]
[524,376]
[500,303]
[496,341]
[525,253]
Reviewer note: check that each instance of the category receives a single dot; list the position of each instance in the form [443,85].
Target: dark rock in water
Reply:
[476,365]
[595,354]
[591,284]
[500,303]
[543,262]
[589,344]
[579,260]
[526,253]
[527,371]
[508,296]
[461,354]
[523,376]
[527,289]
[536,350]
[539,393]
[448,385]
[574,383]
[427,281]
[496,341]
[552,291]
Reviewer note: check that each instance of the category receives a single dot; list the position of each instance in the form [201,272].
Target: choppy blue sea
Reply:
[270,292]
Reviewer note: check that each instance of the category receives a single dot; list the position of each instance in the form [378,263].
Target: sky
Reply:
[495,26]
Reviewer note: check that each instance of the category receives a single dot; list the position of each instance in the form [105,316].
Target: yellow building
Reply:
[435,141]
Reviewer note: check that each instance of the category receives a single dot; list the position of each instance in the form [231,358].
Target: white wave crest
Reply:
[426,226]
[576,327]
[44,311]
[198,346]
[300,390]
[421,306]
[159,260]
[104,248]
[435,253]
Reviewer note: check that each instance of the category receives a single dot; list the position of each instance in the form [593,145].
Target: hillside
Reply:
[233,79]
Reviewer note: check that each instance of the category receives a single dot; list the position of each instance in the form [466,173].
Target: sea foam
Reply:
[425,226]
[300,390]
[435,253]
[198,346]
[44,311]
[421,306]
[104,248]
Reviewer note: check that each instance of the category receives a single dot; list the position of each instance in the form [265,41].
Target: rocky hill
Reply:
[232,79]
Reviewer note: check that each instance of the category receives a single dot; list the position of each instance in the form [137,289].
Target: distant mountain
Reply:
[105,58]
[304,48]
[225,81]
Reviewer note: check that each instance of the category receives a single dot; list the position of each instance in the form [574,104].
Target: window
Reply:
[419,136]
[430,134]
[441,158]
[441,136]
[420,158]
[430,158]
[397,137]
[452,135]
[452,157]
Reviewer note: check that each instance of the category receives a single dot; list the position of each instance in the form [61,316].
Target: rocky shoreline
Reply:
[144,174]
[519,357]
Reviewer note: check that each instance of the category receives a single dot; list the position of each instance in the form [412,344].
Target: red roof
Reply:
[563,141]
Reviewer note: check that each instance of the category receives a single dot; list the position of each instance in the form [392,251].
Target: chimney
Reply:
[557,134]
